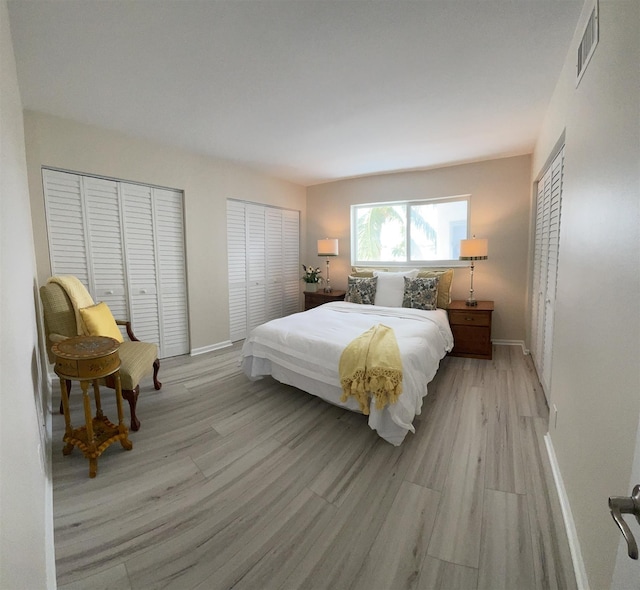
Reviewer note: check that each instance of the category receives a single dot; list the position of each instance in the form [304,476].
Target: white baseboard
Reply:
[574,544]
[52,380]
[520,343]
[210,348]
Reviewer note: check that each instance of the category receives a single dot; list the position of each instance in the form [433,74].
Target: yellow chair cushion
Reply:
[98,321]
[136,360]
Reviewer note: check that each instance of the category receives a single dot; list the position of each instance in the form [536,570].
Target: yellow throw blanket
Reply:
[370,367]
[78,294]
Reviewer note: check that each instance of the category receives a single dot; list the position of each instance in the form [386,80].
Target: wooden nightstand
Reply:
[312,300]
[471,327]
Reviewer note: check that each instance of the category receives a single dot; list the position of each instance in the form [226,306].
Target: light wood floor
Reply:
[233,484]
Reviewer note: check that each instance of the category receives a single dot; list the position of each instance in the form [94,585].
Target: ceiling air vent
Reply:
[588,43]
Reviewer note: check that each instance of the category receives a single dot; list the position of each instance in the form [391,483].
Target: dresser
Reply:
[471,327]
[312,300]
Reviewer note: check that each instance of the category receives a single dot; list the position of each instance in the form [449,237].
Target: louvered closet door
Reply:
[172,276]
[237,270]
[85,237]
[552,264]
[106,249]
[256,265]
[291,262]
[545,268]
[540,276]
[125,242]
[274,262]
[263,246]
[68,245]
[141,262]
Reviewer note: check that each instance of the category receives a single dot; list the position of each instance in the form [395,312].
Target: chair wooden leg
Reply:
[132,397]
[68,394]
[156,368]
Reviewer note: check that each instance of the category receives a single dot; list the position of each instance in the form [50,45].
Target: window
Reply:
[410,232]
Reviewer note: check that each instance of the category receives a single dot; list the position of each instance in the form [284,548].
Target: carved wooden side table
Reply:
[87,359]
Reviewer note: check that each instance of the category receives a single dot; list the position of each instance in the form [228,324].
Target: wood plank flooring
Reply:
[234,484]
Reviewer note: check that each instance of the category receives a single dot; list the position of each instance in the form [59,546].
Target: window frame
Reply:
[407,263]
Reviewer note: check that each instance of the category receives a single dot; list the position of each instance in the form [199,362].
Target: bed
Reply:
[304,349]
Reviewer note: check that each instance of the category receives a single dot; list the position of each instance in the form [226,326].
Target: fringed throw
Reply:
[370,367]
[78,295]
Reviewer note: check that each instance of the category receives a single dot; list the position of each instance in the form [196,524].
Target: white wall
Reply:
[500,211]
[207,184]
[26,532]
[596,380]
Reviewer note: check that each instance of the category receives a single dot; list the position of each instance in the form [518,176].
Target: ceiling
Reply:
[306,90]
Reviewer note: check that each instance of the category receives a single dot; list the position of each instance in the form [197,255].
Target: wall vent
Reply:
[588,43]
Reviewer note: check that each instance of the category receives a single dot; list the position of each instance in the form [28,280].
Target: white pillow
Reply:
[390,289]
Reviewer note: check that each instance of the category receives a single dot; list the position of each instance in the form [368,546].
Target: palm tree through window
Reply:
[398,233]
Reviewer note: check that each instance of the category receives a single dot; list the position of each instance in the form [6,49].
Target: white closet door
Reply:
[68,245]
[537,294]
[545,268]
[274,262]
[141,262]
[552,264]
[263,246]
[540,265]
[125,242]
[256,265]
[237,264]
[172,276]
[104,230]
[291,261]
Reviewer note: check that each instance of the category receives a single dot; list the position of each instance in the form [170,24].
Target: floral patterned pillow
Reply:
[420,293]
[445,278]
[361,290]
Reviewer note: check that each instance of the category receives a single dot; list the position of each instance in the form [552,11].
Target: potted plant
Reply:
[311,277]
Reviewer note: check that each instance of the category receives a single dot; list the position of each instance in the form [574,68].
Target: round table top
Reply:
[85,347]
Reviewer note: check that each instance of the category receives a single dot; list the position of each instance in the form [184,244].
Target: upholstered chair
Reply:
[137,358]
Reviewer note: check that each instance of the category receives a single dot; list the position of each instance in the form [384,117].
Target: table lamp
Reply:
[328,247]
[473,250]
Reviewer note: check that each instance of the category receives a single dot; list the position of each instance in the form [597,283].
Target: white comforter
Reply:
[304,349]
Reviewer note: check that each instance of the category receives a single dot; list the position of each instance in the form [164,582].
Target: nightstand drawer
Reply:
[465,318]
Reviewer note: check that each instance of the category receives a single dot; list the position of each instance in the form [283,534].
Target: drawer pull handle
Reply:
[469,319]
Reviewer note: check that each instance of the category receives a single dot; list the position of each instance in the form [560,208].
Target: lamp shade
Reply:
[328,247]
[475,249]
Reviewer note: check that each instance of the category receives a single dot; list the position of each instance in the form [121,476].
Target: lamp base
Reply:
[471,303]
[327,285]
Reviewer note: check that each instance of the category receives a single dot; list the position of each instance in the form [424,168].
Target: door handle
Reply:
[619,505]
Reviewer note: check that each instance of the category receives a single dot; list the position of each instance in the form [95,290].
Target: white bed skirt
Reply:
[379,420]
